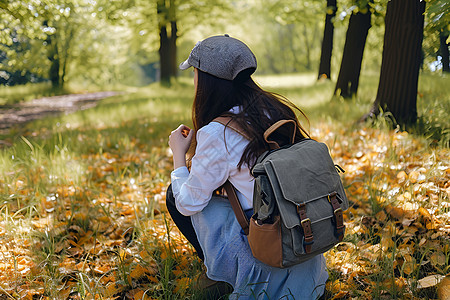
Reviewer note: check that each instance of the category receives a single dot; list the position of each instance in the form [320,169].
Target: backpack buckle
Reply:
[330,196]
[305,222]
[338,210]
[338,218]
[301,209]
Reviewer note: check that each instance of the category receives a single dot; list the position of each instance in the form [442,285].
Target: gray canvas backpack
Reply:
[298,202]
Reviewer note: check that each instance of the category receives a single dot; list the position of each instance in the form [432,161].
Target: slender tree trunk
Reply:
[399,75]
[444,51]
[54,67]
[54,58]
[327,42]
[67,45]
[355,41]
[164,56]
[173,49]
[291,30]
[308,48]
[283,58]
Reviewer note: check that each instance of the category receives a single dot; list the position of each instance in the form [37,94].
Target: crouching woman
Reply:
[223,87]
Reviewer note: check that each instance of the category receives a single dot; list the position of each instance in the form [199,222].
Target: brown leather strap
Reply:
[224,120]
[338,216]
[306,225]
[229,122]
[274,127]
[236,205]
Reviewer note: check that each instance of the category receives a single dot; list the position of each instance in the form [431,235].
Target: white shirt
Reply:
[216,158]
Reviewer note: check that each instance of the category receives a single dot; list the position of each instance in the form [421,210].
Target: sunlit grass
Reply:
[82,167]
[286,80]
[11,95]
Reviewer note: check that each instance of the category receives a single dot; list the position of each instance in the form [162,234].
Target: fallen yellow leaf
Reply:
[413,176]
[437,258]
[444,289]
[402,176]
[429,281]
[137,272]
[408,264]
[424,213]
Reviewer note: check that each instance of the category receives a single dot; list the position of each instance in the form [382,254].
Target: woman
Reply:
[223,87]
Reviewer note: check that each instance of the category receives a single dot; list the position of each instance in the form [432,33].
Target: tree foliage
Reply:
[59,40]
[102,41]
[41,29]
[436,33]
[290,35]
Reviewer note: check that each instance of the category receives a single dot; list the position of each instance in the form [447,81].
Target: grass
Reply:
[82,211]
[10,95]
[15,94]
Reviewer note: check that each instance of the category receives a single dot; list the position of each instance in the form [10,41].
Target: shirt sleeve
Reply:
[209,170]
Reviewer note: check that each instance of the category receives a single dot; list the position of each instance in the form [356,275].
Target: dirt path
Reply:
[40,108]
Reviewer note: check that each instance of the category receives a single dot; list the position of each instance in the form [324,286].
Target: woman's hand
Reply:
[179,142]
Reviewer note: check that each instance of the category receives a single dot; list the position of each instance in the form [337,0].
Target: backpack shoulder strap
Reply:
[236,205]
[229,122]
[274,127]
[229,188]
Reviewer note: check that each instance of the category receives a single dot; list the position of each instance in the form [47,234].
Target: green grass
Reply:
[10,95]
[15,94]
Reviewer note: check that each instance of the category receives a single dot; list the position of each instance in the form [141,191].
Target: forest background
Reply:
[82,210]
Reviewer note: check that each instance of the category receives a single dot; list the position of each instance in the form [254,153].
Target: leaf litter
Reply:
[108,234]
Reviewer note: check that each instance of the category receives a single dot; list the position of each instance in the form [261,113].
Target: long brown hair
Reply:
[259,110]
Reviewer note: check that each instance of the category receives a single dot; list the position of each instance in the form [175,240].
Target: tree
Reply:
[327,42]
[399,75]
[355,41]
[19,57]
[168,12]
[62,41]
[48,28]
[15,76]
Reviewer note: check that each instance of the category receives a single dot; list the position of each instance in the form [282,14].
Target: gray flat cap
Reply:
[222,56]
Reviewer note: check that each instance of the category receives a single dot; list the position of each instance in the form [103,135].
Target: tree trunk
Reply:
[167,40]
[308,48]
[54,66]
[283,59]
[444,52]
[399,75]
[291,32]
[327,42]
[173,49]
[164,56]
[70,32]
[355,41]
[53,57]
